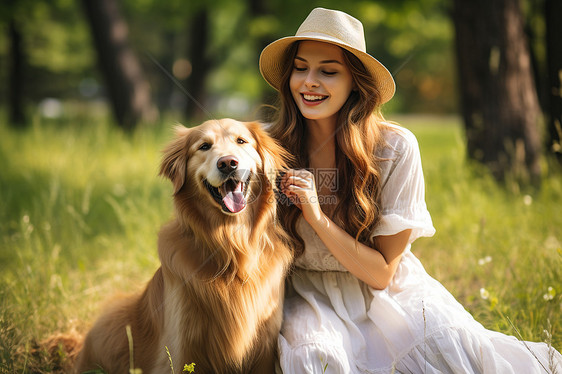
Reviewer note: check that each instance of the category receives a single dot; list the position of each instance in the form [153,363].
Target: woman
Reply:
[362,302]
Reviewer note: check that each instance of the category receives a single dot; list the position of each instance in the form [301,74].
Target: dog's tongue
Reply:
[233,197]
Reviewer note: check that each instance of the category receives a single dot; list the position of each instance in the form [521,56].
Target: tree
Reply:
[10,12]
[17,116]
[200,63]
[128,90]
[499,102]
[553,10]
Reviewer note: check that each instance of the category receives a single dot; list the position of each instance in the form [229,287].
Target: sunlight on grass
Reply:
[82,205]
[82,210]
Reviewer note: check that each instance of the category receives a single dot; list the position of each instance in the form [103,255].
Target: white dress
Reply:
[334,323]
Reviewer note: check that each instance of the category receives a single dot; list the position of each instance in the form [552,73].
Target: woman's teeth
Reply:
[313,97]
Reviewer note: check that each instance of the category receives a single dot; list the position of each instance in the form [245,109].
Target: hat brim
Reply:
[272,57]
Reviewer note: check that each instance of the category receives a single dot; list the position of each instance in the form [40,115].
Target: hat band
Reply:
[332,38]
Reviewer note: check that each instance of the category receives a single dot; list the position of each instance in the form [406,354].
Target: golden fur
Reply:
[216,299]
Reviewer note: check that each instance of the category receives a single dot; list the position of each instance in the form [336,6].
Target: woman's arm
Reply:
[374,266]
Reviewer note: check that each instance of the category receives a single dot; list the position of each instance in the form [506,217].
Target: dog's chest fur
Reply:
[212,320]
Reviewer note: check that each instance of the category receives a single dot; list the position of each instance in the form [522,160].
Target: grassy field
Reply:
[81,205]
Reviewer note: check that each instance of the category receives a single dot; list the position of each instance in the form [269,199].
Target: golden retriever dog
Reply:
[216,300]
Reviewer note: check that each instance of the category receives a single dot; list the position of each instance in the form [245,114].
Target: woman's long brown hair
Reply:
[358,136]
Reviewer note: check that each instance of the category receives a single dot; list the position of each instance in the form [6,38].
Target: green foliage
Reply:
[65,48]
[82,205]
[413,39]
[57,47]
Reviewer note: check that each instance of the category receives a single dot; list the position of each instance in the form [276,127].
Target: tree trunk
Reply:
[200,64]
[261,9]
[498,98]
[553,11]
[16,110]
[128,90]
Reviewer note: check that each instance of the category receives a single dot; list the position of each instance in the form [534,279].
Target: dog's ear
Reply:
[274,157]
[174,160]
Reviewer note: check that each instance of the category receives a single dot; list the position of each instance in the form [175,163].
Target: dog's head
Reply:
[222,165]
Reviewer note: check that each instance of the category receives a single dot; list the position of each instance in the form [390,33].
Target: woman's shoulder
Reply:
[398,139]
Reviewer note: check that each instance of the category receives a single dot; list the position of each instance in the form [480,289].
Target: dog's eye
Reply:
[241,141]
[204,147]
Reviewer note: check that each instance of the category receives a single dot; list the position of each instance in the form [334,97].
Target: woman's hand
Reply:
[373,265]
[300,188]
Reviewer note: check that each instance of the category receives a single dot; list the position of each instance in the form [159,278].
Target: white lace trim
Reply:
[316,256]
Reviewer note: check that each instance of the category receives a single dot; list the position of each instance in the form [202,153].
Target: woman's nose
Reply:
[311,80]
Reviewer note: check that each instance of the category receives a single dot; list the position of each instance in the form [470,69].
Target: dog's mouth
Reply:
[231,195]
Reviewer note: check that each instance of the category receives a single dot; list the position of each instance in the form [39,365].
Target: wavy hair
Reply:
[358,136]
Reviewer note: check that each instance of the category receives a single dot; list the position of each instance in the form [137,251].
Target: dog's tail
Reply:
[60,350]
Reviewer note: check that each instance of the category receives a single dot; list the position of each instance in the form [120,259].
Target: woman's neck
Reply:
[321,144]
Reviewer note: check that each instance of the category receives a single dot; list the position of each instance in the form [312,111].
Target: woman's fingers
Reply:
[299,178]
[298,182]
[300,187]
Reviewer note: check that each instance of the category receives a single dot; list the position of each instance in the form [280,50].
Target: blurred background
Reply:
[142,60]
[49,50]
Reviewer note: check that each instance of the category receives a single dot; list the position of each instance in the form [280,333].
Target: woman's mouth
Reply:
[313,99]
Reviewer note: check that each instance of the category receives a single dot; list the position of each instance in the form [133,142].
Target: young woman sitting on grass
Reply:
[361,301]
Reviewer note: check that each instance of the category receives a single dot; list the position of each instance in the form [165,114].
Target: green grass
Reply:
[81,205]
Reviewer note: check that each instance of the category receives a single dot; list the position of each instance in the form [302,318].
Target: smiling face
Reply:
[223,160]
[320,82]
[221,169]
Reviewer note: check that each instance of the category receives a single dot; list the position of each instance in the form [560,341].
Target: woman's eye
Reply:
[299,68]
[204,147]
[330,72]
[241,141]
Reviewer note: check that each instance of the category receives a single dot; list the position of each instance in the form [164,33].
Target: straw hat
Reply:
[330,26]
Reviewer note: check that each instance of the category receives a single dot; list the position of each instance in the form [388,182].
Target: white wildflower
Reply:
[484,260]
[549,295]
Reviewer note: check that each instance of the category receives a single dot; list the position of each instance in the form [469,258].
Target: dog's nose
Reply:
[227,164]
